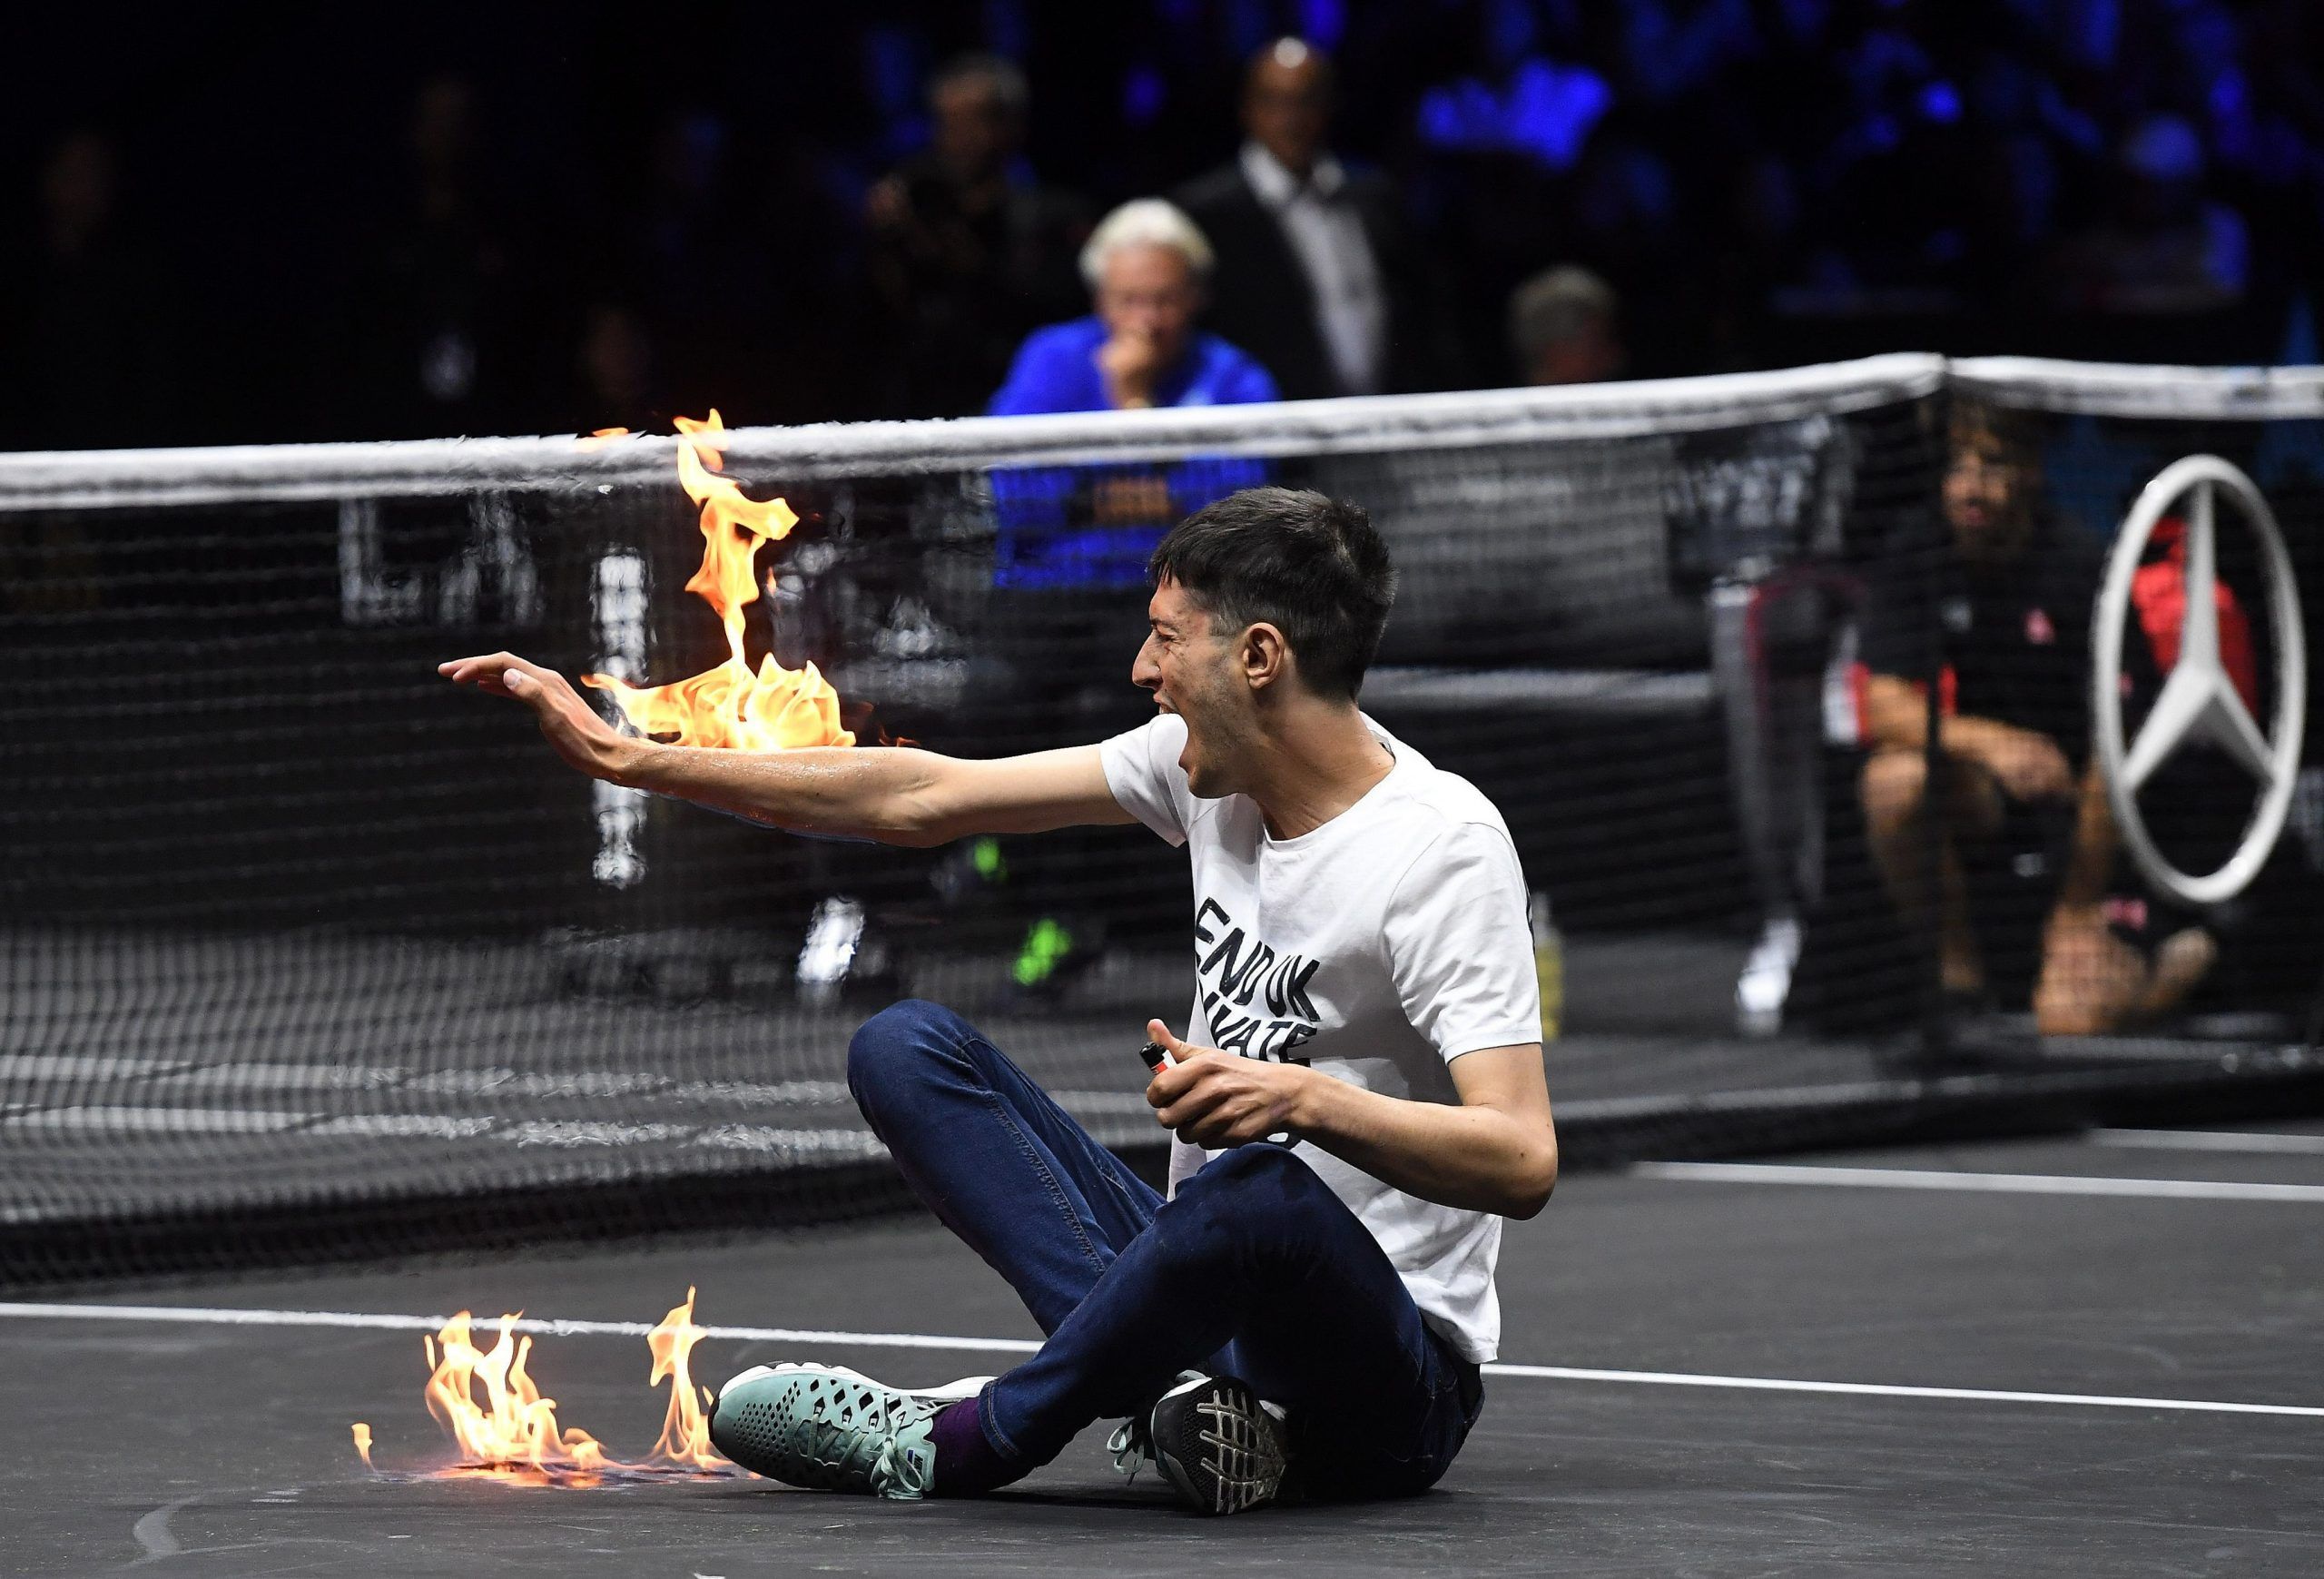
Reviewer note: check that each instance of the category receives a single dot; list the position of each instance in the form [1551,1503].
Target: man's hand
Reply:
[1129,502]
[1215,1099]
[2027,765]
[1131,363]
[585,740]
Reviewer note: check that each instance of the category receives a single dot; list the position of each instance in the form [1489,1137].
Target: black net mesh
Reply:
[304,954]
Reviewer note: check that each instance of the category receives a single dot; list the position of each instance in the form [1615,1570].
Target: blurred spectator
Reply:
[695,263]
[1315,275]
[967,251]
[1147,267]
[2168,248]
[1520,101]
[617,376]
[435,318]
[2021,798]
[1070,543]
[1565,328]
[86,353]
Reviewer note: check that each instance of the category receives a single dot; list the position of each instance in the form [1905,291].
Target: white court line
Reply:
[1883,1390]
[204,1315]
[201,1316]
[2208,1140]
[1991,1183]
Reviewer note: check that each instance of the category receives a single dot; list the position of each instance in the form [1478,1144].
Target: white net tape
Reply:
[2123,389]
[285,473]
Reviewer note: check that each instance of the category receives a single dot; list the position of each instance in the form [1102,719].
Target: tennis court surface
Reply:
[2096,1354]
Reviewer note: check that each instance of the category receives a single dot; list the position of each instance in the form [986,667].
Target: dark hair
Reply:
[998,73]
[1310,566]
[2016,433]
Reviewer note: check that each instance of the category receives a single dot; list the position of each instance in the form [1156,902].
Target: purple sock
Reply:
[967,1465]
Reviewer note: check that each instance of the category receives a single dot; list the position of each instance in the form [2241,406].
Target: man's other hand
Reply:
[1131,363]
[1216,1100]
[2027,765]
[584,739]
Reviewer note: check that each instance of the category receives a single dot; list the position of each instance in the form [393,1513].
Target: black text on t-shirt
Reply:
[1256,999]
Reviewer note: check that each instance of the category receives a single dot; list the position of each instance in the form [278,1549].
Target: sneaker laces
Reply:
[897,1472]
[873,1444]
[1131,1444]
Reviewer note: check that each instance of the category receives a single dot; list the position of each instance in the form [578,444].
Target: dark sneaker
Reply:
[1215,1440]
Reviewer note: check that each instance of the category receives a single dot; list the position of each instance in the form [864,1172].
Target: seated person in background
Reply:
[1317,274]
[966,250]
[1147,266]
[1565,328]
[2009,607]
[1070,543]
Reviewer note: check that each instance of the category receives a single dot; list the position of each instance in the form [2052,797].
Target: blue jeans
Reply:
[1255,1269]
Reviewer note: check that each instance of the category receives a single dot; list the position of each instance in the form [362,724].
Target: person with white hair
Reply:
[1147,269]
[1070,543]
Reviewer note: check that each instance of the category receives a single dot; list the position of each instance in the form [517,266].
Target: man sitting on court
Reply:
[1358,1101]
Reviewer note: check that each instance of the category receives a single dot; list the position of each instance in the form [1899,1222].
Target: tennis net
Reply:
[302,954]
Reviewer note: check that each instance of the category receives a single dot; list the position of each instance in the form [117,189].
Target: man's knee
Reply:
[900,1040]
[1246,1193]
[1894,785]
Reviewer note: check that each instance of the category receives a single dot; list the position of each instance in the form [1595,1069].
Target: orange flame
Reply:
[512,1427]
[502,1425]
[771,709]
[685,1429]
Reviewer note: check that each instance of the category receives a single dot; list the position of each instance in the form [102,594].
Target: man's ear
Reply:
[1266,656]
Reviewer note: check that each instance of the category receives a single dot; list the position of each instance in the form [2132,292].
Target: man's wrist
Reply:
[629,762]
[1306,1114]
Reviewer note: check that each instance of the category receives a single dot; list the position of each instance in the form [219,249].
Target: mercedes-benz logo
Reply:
[2198,702]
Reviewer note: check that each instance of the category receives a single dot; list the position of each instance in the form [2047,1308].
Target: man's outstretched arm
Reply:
[897,796]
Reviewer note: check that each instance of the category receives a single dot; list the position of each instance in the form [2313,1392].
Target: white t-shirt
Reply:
[1377,948]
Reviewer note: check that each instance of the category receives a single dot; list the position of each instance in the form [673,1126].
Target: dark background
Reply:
[212,226]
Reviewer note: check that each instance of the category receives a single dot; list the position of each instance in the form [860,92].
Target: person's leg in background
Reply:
[1894,786]
[2103,972]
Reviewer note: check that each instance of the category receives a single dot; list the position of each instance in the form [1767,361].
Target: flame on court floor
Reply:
[503,1429]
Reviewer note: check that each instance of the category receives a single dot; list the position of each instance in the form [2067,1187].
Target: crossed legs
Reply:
[1255,1267]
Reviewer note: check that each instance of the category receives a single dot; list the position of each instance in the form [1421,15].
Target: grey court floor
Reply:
[2045,1355]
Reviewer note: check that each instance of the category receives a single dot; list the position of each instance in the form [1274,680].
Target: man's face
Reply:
[1287,107]
[1590,354]
[1988,500]
[1190,662]
[1149,293]
[975,132]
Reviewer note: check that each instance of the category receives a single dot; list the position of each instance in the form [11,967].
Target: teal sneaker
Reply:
[829,1428]
[1222,1447]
